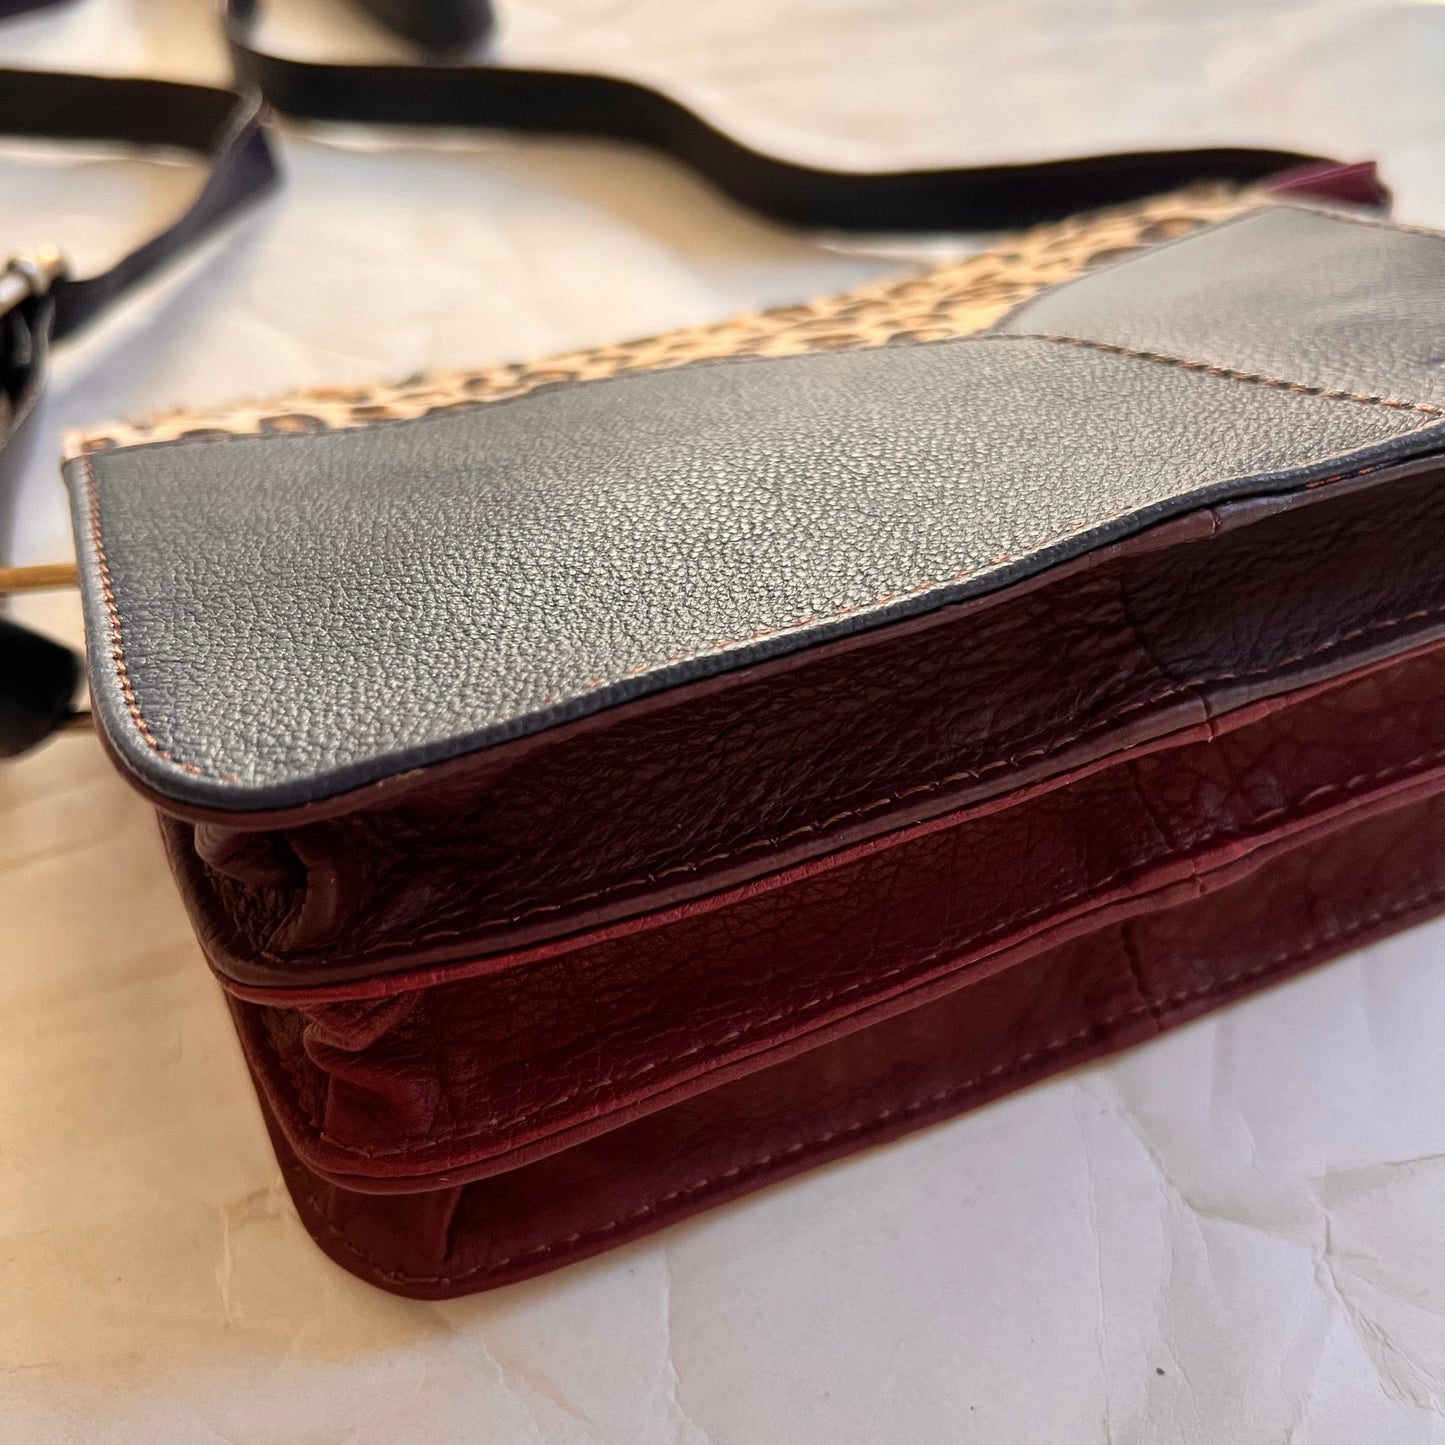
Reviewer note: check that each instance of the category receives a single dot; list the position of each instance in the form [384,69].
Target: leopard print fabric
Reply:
[947,301]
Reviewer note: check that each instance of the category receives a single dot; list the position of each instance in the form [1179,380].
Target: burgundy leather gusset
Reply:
[460,1074]
[690,803]
[675,796]
[1050,1011]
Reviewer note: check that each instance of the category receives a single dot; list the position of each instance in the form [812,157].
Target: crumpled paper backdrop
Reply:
[1233,1235]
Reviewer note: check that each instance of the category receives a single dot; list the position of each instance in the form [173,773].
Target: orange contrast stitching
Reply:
[1355,218]
[1227,372]
[1170,1003]
[112,612]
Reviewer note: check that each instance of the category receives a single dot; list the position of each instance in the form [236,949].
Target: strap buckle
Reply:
[30,274]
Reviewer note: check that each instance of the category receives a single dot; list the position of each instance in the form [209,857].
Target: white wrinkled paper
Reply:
[1233,1235]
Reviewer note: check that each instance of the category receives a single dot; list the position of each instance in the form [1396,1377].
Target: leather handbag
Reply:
[609,785]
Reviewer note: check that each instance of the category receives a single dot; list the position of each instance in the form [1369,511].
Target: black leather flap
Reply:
[276,619]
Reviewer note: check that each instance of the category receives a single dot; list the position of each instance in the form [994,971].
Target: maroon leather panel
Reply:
[1051,1010]
[447,1074]
[673,798]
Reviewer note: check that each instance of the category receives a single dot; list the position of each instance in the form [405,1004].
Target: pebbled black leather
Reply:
[1339,300]
[277,619]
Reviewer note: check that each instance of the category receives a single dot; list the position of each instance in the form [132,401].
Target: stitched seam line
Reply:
[1355,218]
[1157,358]
[1044,750]
[644,374]
[1161,1009]
[823,1000]
[1227,372]
[116,639]
[1264,202]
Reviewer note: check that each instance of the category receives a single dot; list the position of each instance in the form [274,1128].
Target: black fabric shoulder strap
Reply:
[554,102]
[223,127]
